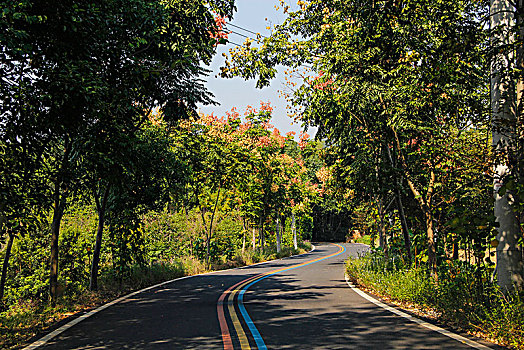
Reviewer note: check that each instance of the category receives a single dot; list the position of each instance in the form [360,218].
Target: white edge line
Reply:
[425,324]
[79,319]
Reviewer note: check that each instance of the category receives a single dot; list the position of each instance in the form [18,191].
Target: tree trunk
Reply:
[101,209]
[455,252]
[425,204]
[186,212]
[204,224]
[294,229]
[404,225]
[243,234]
[400,206]
[519,259]
[208,250]
[253,240]
[5,266]
[261,233]
[209,231]
[509,260]
[277,231]
[58,212]
[432,249]
[382,223]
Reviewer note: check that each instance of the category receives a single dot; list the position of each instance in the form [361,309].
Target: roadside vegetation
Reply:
[110,180]
[27,311]
[462,298]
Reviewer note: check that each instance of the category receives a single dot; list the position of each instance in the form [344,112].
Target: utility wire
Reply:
[252,32]
[240,34]
[244,29]
[257,34]
[231,42]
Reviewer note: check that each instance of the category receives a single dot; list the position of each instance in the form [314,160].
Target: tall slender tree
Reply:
[506,131]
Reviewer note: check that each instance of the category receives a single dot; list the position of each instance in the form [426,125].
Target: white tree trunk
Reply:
[509,257]
[278,235]
[244,231]
[253,239]
[294,229]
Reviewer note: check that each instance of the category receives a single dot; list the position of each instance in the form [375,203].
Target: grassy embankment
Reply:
[460,298]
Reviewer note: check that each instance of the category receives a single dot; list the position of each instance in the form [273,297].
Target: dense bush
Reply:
[27,278]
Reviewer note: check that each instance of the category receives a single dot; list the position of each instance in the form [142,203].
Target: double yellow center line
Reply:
[240,288]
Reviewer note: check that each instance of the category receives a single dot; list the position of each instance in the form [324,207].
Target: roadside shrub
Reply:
[247,257]
[28,269]
[458,295]
[167,234]
[76,242]
[141,276]
[505,319]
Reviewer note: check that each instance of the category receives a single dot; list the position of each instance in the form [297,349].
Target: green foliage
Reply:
[461,295]
[390,277]
[113,123]
[249,256]
[168,235]
[126,243]
[400,108]
[305,227]
[74,103]
[27,279]
[366,239]
[76,242]
[229,236]
[165,245]
[141,276]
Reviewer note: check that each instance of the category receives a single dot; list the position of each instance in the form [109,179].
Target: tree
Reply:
[507,137]
[388,72]
[128,173]
[217,162]
[97,63]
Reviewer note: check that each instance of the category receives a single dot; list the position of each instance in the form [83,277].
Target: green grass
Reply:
[455,296]
[366,239]
[249,256]
[139,277]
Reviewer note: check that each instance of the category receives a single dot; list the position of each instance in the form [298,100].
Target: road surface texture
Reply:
[301,302]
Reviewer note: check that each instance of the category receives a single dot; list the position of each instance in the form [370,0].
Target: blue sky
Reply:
[251,15]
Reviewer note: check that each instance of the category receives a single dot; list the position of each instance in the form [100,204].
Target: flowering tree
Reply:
[241,166]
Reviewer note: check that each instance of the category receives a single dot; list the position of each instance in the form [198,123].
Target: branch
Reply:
[407,175]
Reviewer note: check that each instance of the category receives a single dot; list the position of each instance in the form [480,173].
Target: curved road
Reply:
[301,302]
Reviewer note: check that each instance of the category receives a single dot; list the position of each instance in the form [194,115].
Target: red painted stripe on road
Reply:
[226,336]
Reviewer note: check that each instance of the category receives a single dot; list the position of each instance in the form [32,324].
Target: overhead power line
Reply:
[237,33]
[247,30]
[228,31]
[252,32]
[231,42]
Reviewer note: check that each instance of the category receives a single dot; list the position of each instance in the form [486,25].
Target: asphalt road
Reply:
[302,302]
